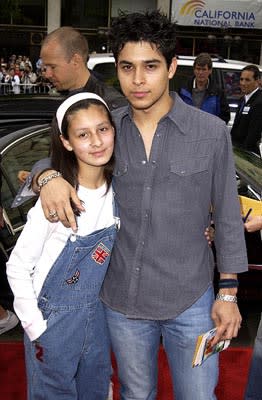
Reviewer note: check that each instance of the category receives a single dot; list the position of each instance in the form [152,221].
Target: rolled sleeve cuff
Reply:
[236,264]
[36,328]
[25,192]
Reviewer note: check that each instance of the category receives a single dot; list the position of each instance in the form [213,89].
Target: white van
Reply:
[226,74]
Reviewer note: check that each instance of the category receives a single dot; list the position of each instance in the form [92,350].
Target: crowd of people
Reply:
[18,75]
[168,169]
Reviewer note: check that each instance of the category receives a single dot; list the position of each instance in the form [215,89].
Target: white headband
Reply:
[62,109]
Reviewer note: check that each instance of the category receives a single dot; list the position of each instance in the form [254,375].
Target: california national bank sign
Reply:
[218,14]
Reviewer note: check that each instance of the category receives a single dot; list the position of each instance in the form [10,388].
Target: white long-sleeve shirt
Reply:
[38,247]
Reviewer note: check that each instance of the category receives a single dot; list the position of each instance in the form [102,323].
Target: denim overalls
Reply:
[71,359]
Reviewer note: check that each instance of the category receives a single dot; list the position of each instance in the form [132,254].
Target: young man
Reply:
[247,128]
[173,163]
[202,92]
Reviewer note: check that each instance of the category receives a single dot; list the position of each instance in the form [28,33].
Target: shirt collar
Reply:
[247,96]
[195,86]
[178,114]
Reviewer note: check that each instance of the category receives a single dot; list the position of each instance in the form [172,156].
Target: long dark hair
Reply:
[65,161]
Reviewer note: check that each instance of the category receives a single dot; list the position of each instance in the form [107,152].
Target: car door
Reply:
[19,151]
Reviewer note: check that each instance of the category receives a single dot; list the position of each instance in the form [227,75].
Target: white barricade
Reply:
[24,88]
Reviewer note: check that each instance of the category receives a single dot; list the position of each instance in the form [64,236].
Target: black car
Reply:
[21,148]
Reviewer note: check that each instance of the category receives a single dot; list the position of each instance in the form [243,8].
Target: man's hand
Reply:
[225,314]
[227,319]
[254,223]
[55,198]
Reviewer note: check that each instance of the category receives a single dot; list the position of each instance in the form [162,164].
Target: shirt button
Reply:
[137,269]
[144,162]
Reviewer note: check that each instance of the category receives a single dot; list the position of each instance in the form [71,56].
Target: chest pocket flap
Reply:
[190,166]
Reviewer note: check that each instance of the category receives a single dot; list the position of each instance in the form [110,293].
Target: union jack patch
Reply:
[100,254]
[74,278]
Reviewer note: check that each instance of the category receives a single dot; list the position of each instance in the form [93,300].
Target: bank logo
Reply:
[191,6]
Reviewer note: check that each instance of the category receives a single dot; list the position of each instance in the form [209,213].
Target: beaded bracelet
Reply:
[227,283]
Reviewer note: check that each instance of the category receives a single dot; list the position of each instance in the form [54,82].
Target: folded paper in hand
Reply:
[205,349]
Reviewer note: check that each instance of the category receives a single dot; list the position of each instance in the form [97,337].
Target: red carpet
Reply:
[234,364]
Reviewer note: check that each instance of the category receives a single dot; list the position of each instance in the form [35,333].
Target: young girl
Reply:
[56,275]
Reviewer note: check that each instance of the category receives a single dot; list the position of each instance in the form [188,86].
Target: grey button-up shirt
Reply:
[161,262]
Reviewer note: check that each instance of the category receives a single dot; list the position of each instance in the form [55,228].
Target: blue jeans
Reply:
[135,343]
[254,385]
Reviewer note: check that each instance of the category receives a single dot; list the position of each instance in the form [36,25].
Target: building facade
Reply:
[230,29]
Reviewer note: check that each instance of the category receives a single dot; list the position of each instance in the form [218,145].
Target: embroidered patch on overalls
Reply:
[74,278]
[100,254]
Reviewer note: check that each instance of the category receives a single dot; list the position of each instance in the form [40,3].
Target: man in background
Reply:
[202,92]
[247,128]
[64,55]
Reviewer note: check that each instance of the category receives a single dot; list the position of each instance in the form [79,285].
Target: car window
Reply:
[107,73]
[231,80]
[182,75]
[249,171]
[20,155]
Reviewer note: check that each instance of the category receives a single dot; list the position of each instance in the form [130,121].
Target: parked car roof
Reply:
[21,107]
[226,74]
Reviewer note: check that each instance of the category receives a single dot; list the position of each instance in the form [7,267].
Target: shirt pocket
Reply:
[190,167]
[189,179]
